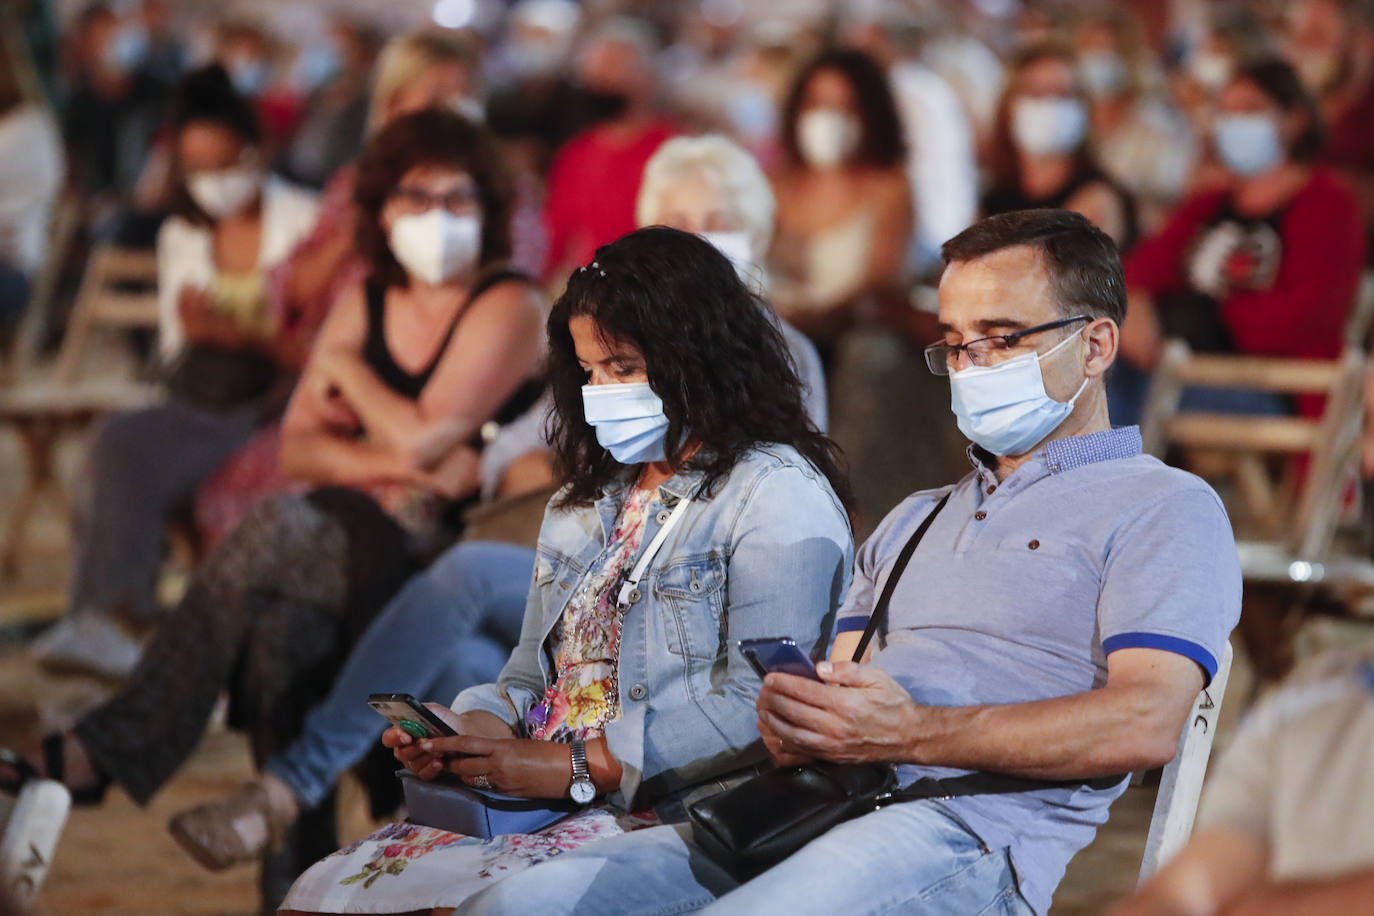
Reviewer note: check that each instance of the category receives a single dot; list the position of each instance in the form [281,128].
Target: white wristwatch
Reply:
[582,790]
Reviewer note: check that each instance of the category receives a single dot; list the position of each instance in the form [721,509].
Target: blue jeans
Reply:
[451,627]
[915,857]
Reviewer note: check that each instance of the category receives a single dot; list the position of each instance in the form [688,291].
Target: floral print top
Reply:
[586,642]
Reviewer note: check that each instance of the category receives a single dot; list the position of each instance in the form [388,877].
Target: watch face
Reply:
[583,791]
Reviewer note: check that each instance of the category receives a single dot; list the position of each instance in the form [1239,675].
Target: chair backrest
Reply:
[1180,786]
[1303,518]
[118,290]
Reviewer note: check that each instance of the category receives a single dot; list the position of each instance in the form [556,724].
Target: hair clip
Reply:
[594,265]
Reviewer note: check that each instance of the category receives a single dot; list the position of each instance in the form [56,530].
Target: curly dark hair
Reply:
[711,350]
[207,96]
[432,137]
[881,145]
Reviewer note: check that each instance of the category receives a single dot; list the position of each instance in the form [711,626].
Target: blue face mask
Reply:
[1005,408]
[1247,143]
[628,419]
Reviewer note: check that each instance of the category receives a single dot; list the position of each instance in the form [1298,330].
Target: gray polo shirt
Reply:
[1020,591]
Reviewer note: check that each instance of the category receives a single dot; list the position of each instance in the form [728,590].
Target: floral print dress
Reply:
[393,869]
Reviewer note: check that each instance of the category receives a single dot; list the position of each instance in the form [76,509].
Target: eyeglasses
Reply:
[987,351]
[418,200]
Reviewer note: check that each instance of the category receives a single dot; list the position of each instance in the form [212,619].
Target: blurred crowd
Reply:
[279,166]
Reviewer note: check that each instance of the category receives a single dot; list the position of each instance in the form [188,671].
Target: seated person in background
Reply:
[712,186]
[414,72]
[32,166]
[594,178]
[1331,45]
[1042,147]
[647,349]
[1048,636]
[1269,266]
[844,204]
[230,366]
[436,344]
[1140,139]
[1284,825]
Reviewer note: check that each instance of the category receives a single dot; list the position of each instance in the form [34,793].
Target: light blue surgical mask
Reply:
[1005,408]
[629,421]
[1248,143]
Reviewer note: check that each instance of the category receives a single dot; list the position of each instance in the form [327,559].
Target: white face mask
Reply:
[436,246]
[226,192]
[827,137]
[629,421]
[1005,408]
[1247,143]
[736,247]
[126,50]
[1103,72]
[1048,126]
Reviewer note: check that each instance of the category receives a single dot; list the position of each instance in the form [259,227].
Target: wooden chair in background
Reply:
[1293,476]
[118,292]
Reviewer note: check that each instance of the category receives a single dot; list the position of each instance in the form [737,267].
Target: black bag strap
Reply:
[976,783]
[876,618]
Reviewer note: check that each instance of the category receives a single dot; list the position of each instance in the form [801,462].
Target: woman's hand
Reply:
[524,767]
[426,763]
[457,476]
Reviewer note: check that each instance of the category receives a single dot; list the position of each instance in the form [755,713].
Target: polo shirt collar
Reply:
[1060,455]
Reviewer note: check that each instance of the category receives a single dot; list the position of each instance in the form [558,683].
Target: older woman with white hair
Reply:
[712,186]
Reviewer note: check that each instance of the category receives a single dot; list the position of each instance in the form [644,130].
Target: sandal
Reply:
[54,767]
[219,834]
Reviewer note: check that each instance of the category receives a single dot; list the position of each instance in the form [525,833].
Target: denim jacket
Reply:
[770,553]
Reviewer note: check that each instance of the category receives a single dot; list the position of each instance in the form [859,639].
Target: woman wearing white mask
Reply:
[1269,265]
[1041,149]
[844,204]
[226,357]
[386,425]
[699,507]
[712,186]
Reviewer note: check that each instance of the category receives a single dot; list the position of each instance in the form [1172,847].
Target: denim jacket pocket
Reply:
[555,577]
[692,594]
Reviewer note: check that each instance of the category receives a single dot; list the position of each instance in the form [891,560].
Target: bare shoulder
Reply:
[515,299]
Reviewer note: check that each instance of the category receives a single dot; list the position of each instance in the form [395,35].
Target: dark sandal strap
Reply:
[55,767]
[24,771]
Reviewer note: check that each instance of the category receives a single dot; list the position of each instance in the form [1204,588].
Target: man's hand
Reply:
[860,714]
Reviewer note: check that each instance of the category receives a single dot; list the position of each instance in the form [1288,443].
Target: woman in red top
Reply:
[1268,265]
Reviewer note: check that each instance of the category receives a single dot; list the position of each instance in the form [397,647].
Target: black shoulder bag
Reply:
[758,823]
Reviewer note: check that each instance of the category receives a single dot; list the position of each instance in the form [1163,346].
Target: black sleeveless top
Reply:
[1008,198]
[409,384]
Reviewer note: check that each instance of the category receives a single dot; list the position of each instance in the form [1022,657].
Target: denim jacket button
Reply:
[663,516]
[635,596]
[638,692]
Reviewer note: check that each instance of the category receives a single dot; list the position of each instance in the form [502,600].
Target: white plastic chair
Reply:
[1180,785]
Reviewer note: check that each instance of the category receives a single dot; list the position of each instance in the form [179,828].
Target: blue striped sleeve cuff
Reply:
[850,624]
[1174,644]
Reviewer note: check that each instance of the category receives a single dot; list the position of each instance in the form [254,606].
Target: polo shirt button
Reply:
[638,692]
[980,515]
[1034,545]
[991,489]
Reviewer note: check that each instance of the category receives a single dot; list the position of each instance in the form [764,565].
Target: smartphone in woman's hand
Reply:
[409,715]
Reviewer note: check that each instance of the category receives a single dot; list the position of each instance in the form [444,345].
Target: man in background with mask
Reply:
[110,119]
[1047,637]
[595,177]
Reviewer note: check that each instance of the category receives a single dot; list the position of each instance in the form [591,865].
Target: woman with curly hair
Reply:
[677,410]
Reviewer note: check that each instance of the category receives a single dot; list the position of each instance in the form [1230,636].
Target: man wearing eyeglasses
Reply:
[1048,635]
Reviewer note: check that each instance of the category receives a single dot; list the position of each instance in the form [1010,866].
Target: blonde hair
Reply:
[722,161]
[405,58]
